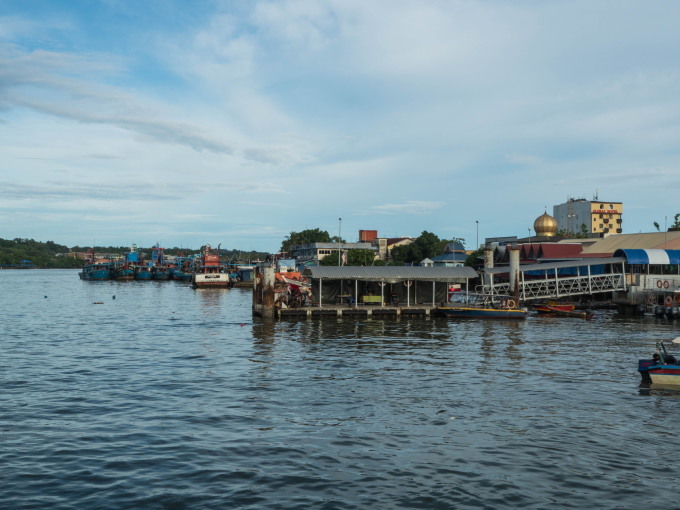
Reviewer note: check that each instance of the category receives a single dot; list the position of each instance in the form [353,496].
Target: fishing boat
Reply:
[159,268]
[555,310]
[96,271]
[123,271]
[143,272]
[662,368]
[182,270]
[471,306]
[209,273]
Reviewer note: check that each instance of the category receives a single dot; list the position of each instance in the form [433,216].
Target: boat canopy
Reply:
[647,257]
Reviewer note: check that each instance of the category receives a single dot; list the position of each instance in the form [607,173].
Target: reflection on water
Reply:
[168,397]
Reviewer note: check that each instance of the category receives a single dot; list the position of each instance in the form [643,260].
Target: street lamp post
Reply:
[477,222]
[339,238]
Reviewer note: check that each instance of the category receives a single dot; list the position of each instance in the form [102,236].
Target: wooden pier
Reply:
[354,312]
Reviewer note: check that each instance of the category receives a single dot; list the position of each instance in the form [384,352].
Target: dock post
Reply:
[488,263]
[268,295]
[514,272]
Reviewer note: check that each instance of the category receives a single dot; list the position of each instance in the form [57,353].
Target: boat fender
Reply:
[511,303]
[669,301]
[677,298]
[504,303]
[659,283]
[665,284]
[408,283]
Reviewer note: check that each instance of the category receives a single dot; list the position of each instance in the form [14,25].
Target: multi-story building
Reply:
[594,217]
[313,252]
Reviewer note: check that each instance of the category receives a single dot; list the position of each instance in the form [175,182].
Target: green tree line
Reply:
[53,255]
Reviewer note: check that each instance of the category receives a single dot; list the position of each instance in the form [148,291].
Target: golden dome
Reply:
[545,225]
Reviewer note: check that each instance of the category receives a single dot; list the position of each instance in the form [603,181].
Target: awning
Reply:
[647,257]
[557,265]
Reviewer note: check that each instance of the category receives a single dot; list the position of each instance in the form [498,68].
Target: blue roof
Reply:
[661,257]
[451,256]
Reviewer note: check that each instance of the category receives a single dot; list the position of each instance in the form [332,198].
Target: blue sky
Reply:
[235,123]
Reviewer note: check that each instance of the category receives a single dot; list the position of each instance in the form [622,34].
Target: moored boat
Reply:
[209,274]
[126,270]
[555,310]
[551,306]
[96,271]
[473,306]
[143,273]
[123,272]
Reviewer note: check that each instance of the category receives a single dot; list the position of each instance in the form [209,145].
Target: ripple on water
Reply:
[162,399]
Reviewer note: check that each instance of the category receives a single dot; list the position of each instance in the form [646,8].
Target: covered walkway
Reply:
[381,286]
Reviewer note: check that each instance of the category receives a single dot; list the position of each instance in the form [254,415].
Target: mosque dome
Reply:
[545,225]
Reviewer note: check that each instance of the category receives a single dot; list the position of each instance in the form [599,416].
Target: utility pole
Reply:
[339,239]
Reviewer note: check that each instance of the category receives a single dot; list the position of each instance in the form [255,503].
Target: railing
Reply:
[560,287]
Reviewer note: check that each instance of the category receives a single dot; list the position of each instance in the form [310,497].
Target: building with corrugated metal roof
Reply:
[318,251]
[380,284]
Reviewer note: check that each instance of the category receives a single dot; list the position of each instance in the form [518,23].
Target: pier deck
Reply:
[314,312]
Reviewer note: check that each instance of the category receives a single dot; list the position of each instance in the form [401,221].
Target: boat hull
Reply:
[143,273]
[211,280]
[553,310]
[664,374]
[465,312]
[95,272]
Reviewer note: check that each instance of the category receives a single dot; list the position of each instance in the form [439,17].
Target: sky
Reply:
[237,122]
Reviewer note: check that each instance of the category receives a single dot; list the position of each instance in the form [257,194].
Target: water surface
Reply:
[155,395]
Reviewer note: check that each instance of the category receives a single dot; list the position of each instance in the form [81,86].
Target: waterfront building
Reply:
[303,253]
[598,218]
[454,256]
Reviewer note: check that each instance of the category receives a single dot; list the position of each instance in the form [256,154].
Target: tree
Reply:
[354,258]
[658,229]
[568,234]
[427,245]
[305,237]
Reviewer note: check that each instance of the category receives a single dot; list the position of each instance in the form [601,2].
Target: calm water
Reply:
[169,397]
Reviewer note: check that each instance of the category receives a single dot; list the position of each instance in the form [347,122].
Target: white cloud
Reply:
[408,207]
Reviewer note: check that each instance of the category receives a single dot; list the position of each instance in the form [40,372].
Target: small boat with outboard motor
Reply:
[481,306]
[662,368]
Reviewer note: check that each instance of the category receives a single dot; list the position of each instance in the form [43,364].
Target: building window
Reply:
[618,230]
[618,220]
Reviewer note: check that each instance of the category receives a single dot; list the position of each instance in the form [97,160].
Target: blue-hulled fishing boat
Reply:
[96,271]
[159,269]
[122,271]
[143,272]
